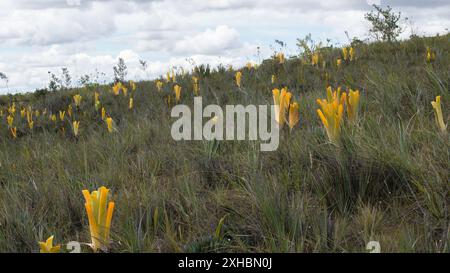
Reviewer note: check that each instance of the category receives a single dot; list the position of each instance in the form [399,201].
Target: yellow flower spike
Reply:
[345,53]
[10,120]
[69,110]
[294,114]
[276,96]
[159,85]
[99,213]
[77,99]
[249,65]
[76,127]
[339,62]
[109,215]
[14,132]
[281,103]
[331,113]
[315,59]
[329,94]
[352,105]
[116,88]
[438,114]
[322,118]
[97,105]
[343,99]
[62,115]
[431,56]
[96,98]
[173,76]
[337,94]
[196,86]
[124,91]
[12,109]
[351,53]
[47,246]
[274,79]
[287,99]
[23,112]
[169,78]
[281,58]
[53,118]
[133,86]
[238,77]
[130,104]
[36,113]
[177,90]
[103,113]
[109,124]
[282,108]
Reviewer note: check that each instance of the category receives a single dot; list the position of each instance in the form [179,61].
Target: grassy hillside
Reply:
[386,179]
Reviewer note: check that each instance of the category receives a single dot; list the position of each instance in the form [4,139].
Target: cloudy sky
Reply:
[38,36]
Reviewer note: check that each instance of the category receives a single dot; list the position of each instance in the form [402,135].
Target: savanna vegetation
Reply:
[380,175]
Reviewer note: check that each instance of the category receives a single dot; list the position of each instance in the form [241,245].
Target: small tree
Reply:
[385,23]
[120,71]
[67,79]
[55,83]
[3,77]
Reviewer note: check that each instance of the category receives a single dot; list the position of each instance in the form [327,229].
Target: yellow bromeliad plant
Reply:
[62,115]
[47,246]
[12,109]
[177,90]
[315,59]
[196,87]
[30,120]
[281,101]
[133,86]
[10,120]
[97,102]
[331,113]
[99,213]
[76,128]
[130,104]
[119,87]
[438,114]
[96,98]
[294,114]
[345,53]
[351,53]
[14,132]
[352,105]
[238,77]
[103,113]
[159,85]
[69,110]
[431,56]
[77,99]
[280,57]
[109,124]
